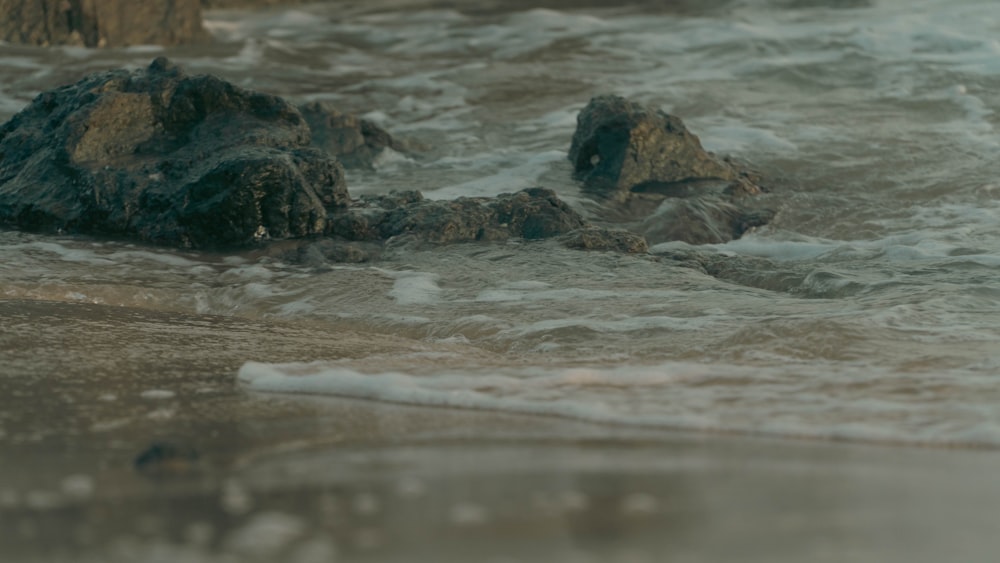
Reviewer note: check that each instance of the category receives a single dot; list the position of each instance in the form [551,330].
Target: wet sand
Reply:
[87,389]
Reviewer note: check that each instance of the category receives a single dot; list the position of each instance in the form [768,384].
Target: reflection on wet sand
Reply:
[268,478]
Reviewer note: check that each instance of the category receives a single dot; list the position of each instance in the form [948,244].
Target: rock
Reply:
[602,238]
[534,213]
[166,459]
[749,271]
[620,147]
[159,156]
[701,220]
[354,141]
[101,23]
[652,174]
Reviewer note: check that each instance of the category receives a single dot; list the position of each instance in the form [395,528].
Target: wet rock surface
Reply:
[653,176]
[355,141]
[701,220]
[621,146]
[603,238]
[193,161]
[101,23]
[160,156]
[534,213]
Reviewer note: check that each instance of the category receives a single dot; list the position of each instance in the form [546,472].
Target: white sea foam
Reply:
[412,288]
[867,404]
[524,173]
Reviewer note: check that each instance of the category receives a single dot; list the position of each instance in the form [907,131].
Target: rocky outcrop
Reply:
[160,156]
[652,175]
[99,23]
[193,161]
[356,142]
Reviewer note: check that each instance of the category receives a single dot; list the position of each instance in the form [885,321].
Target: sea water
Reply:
[869,309]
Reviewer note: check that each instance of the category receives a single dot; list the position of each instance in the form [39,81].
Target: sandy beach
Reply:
[247,477]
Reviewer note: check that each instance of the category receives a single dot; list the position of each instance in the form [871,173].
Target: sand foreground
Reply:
[124,437]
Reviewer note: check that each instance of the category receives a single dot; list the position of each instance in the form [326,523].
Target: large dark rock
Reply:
[356,142]
[99,23]
[652,175]
[156,155]
[160,156]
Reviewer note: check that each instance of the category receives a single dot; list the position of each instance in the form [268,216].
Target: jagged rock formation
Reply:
[160,156]
[193,161]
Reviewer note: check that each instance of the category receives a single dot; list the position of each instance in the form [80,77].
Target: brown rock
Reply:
[101,23]
[160,156]
[602,238]
[621,147]
[534,213]
[652,175]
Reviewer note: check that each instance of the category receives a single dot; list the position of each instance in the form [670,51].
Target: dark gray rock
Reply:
[356,142]
[534,213]
[602,238]
[164,157]
[100,23]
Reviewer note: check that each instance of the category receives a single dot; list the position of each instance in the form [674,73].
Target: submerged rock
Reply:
[356,142]
[602,238]
[164,157]
[101,23]
[701,220]
[652,175]
[534,213]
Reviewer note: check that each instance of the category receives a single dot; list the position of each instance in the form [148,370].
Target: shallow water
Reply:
[867,311]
